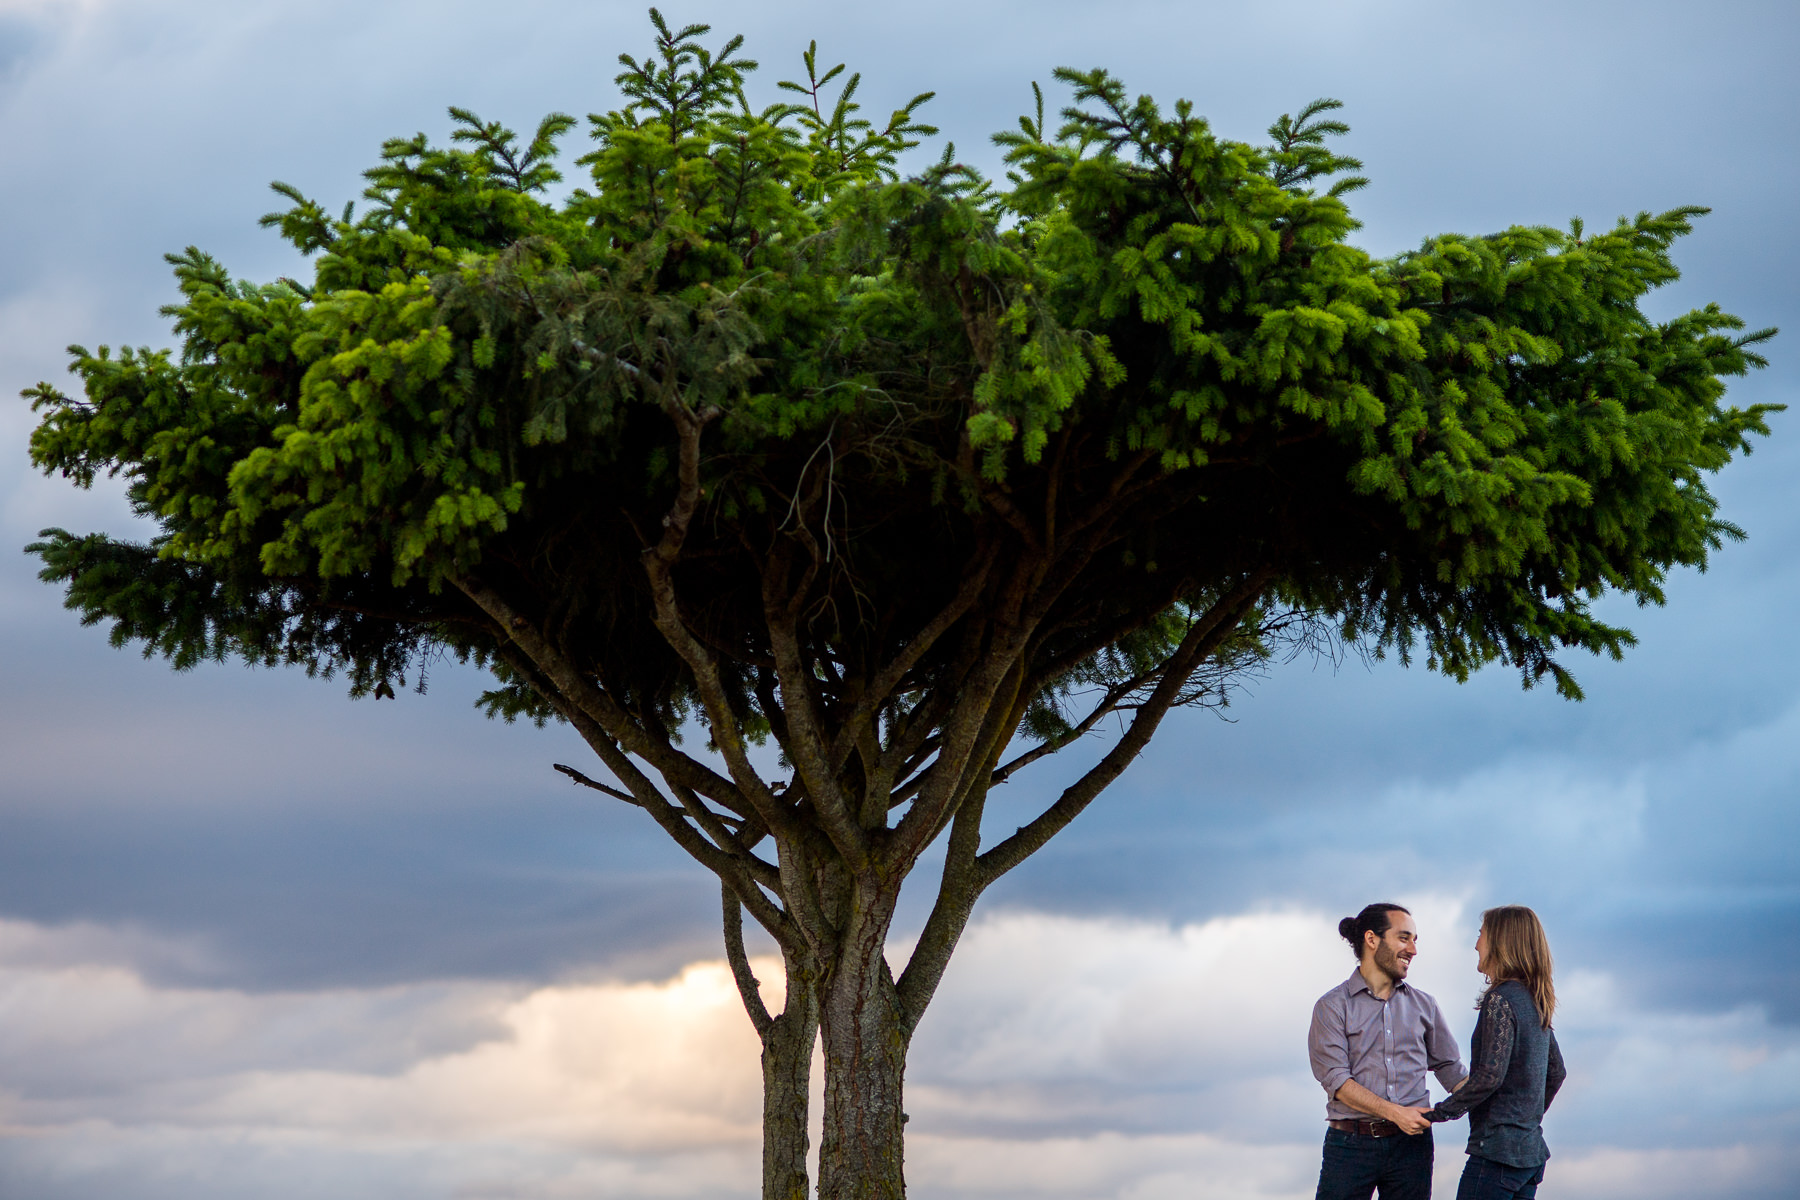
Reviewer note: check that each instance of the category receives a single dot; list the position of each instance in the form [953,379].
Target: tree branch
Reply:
[920,727]
[1109,703]
[1102,509]
[747,985]
[559,677]
[996,498]
[913,778]
[998,730]
[881,687]
[731,869]
[659,562]
[807,745]
[735,866]
[712,823]
[1206,635]
[614,792]
[765,873]
[961,884]
[963,732]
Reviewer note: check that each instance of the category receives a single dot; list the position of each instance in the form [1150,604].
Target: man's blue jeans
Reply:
[1355,1166]
[1485,1179]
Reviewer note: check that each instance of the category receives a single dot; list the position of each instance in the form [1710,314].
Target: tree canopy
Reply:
[751,433]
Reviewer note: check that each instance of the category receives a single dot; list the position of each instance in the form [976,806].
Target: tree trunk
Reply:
[787,1050]
[864,1036]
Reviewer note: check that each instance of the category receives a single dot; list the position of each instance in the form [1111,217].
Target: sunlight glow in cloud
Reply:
[1067,1057]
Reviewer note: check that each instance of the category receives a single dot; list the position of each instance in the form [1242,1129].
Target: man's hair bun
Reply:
[1373,919]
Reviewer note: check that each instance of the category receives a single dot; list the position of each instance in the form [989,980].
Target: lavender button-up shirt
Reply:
[1385,1045]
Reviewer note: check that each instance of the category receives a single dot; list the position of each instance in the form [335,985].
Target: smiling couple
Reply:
[1374,1036]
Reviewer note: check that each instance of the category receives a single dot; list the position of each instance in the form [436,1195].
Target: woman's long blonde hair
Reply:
[1517,949]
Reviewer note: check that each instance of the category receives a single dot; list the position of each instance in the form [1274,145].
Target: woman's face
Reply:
[1481,950]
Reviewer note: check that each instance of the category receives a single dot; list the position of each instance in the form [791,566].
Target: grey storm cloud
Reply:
[298,905]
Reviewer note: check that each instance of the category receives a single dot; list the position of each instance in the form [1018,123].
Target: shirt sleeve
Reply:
[1554,1076]
[1492,1053]
[1328,1045]
[1442,1054]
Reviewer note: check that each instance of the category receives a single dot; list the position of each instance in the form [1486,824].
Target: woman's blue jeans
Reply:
[1485,1179]
[1355,1166]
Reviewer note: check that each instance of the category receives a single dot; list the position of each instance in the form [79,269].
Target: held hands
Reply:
[1411,1121]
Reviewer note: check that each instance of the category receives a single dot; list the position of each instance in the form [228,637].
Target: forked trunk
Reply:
[864,1037]
[787,1050]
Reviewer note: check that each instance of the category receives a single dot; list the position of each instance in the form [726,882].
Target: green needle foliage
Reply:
[753,431]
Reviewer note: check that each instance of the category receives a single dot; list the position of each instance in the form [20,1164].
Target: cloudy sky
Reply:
[257,940]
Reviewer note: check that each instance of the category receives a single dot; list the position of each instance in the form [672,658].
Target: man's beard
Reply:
[1390,962]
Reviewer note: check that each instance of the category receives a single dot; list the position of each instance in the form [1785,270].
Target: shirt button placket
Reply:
[1387,1057]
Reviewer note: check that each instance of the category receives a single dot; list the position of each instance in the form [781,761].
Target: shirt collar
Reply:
[1356,983]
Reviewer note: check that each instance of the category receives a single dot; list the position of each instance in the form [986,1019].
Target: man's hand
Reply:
[1411,1121]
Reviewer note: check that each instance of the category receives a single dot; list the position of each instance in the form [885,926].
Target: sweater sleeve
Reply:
[1490,1056]
[1554,1076]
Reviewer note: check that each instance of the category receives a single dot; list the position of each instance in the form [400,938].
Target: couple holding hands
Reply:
[1374,1036]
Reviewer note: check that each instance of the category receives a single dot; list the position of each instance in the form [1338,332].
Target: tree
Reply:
[751,439]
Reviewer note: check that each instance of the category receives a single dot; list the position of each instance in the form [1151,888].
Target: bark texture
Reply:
[863,1027]
[787,1052]
[787,1049]
[894,740]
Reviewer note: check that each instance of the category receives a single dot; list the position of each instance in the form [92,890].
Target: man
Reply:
[1373,1038]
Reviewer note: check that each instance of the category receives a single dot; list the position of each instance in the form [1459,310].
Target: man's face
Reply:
[1394,952]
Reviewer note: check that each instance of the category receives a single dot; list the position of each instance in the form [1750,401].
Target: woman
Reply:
[1517,1065]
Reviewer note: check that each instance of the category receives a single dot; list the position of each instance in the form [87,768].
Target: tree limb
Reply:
[735,866]
[748,987]
[511,630]
[1206,635]
[659,563]
[765,873]
[881,687]
[1108,703]
[962,733]
[614,792]
[959,888]
[731,869]
[807,745]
